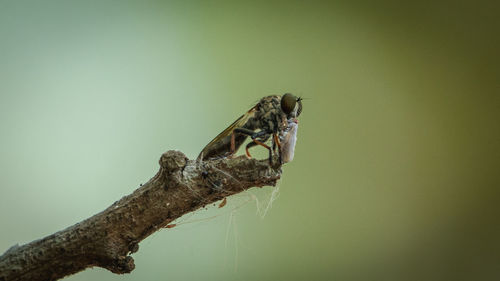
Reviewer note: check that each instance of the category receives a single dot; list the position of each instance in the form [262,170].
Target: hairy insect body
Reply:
[270,117]
[271,113]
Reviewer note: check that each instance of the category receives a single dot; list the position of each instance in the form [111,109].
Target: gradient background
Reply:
[396,171]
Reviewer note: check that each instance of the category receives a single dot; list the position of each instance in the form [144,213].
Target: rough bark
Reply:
[108,238]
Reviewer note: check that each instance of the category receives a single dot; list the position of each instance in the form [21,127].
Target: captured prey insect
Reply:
[274,116]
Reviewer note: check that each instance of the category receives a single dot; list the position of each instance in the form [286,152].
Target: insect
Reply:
[273,116]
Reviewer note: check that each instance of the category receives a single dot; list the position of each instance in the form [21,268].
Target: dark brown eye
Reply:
[288,102]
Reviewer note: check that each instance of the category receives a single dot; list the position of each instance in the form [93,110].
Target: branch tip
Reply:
[173,160]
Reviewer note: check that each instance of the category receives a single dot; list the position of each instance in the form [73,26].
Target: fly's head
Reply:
[291,106]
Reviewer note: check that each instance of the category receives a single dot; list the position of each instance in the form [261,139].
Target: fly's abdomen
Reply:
[222,148]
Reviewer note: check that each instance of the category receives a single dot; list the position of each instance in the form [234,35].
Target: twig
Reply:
[108,238]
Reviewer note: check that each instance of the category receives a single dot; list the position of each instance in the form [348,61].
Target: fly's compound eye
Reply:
[288,102]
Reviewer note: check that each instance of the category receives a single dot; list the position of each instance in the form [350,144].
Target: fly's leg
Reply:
[262,139]
[233,145]
[250,144]
[263,135]
[233,137]
[268,148]
[274,144]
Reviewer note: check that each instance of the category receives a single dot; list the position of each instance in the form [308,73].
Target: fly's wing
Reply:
[221,144]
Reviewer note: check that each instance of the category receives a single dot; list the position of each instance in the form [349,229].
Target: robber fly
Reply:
[272,116]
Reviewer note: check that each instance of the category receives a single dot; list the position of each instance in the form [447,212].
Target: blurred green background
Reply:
[396,170]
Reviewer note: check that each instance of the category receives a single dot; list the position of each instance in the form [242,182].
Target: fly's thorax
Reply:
[252,124]
[269,114]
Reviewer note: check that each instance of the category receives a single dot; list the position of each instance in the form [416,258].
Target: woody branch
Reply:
[108,238]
